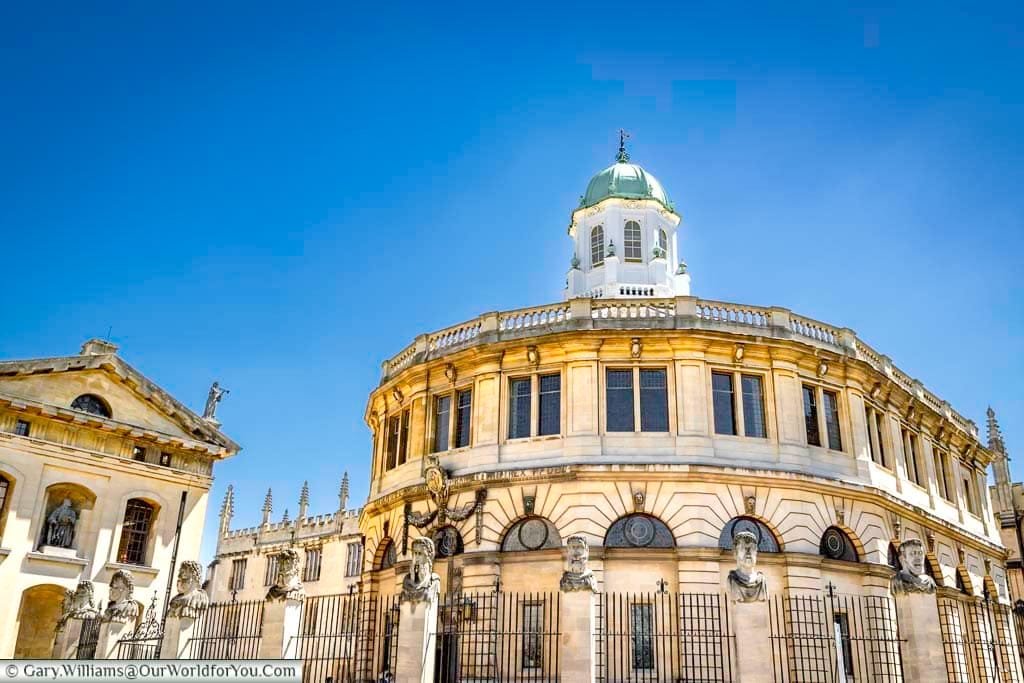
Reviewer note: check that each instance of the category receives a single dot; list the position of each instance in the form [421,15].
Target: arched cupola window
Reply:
[662,242]
[596,246]
[91,403]
[532,533]
[766,541]
[639,531]
[135,531]
[837,545]
[632,241]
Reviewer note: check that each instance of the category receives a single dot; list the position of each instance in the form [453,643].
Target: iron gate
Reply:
[497,637]
[978,641]
[227,630]
[144,642]
[348,637]
[652,637]
[87,639]
[835,638]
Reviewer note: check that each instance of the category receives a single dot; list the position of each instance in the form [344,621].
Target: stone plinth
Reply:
[753,642]
[110,633]
[66,640]
[280,629]
[417,639]
[177,633]
[919,625]
[576,640]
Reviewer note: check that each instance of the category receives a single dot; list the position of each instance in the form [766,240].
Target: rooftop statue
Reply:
[215,396]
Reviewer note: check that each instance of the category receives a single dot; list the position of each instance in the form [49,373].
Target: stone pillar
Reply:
[280,629]
[753,642]
[110,633]
[576,640]
[66,641]
[919,625]
[417,640]
[177,634]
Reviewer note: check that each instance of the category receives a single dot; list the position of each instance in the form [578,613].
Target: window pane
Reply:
[721,390]
[532,655]
[270,576]
[597,246]
[663,240]
[880,428]
[753,407]
[462,418]
[619,398]
[835,439]
[135,532]
[653,401]
[394,433]
[642,623]
[631,241]
[442,417]
[22,428]
[811,416]
[550,405]
[519,408]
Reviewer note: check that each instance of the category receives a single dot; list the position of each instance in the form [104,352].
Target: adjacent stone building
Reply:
[329,545]
[97,466]
[1008,506]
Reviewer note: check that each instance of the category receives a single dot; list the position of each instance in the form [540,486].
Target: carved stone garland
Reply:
[438,485]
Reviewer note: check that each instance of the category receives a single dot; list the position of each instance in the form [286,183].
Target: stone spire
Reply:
[285,519]
[995,434]
[227,509]
[343,493]
[303,500]
[1002,490]
[268,507]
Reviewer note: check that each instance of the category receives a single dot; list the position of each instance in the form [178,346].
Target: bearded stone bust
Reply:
[578,576]
[912,576]
[287,584]
[421,583]
[121,607]
[78,604]
[191,598]
[746,584]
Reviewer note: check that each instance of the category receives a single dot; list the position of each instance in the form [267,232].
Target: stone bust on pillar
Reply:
[287,583]
[421,583]
[78,604]
[746,584]
[122,607]
[578,576]
[912,577]
[191,598]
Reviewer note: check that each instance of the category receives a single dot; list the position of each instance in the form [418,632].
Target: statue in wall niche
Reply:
[191,598]
[578,577]
[746,584]
[60,525]
[121,607]
[912,577]
[215,396]
[287,584]
[421,583]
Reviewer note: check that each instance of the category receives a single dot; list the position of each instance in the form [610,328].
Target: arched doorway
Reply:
[37,620]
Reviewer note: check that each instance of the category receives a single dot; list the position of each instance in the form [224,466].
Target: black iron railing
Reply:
[87,639]
[345,638]
[227,630]
[978,641]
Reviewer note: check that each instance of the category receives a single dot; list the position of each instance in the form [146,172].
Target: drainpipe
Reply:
[174,552]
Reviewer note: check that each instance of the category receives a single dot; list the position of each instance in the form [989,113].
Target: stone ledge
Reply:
[137,570]
[4,552]
[56,559]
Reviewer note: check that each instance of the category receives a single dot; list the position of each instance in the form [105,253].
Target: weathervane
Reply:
[623,156]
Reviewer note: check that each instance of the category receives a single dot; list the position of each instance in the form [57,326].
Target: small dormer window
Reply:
[90,403]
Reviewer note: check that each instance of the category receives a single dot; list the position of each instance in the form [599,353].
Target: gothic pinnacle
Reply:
[343,492]
[268,506]
[995,434]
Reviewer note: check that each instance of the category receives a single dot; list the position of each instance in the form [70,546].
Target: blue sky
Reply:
[280,197]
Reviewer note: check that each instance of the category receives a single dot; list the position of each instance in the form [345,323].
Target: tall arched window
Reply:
[836,545]
[596,246]
[138,521]
[663,242]
[632,241]
[91,403]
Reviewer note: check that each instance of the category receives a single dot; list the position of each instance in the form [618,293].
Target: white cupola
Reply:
[624,237]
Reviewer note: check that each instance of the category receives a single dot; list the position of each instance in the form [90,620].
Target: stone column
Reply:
[576,640]
[110,633]
[280,629]
[66,641]
[919,625]
[177,634]
[753,642]
[417,639]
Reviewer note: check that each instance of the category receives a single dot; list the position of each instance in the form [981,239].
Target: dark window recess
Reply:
[311,570]
[753,407]
[532,654]
[139,453]
[270,576]
[811,416]
[463,418]
[519,408]
[619,399]
[165,459]
[642,629]
[653,401]
[724,407]
[22,428]
[237,581]
[442,420]
[4,486]
[138,516]
[88,403]
[394,433]
[550,416]
[403,440]
[835,436]
[841,631]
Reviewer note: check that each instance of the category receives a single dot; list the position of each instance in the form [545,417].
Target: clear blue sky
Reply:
[279,197]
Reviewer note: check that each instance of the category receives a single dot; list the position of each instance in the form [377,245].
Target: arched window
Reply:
[766,541]
[836,545]
[448,541]
[5,489]
[663,242]
[596,246]
[639,531]
[389,555]
[138,521]
[632,241]
[91,403]
[532,533]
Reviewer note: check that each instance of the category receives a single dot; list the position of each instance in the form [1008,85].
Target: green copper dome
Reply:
[626,181]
